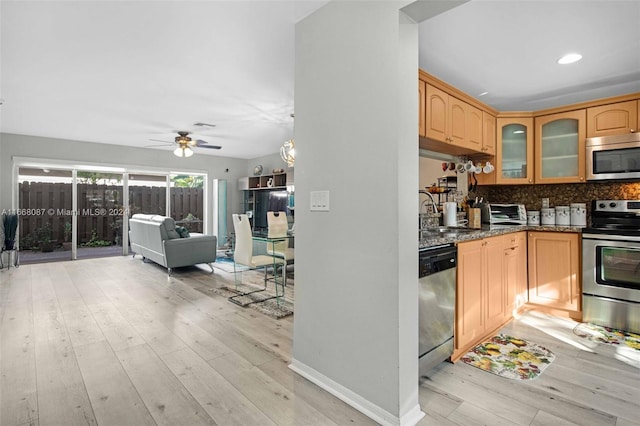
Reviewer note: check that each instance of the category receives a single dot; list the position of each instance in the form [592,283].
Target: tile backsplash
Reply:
[560,194]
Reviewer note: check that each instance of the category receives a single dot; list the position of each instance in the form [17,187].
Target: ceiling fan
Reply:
[186,143]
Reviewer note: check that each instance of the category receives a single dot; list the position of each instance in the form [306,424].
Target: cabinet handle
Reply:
[530,181]
[633,130]
[581,178]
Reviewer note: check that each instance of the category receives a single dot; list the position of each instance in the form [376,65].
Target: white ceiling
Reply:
[124,72]
[510,48]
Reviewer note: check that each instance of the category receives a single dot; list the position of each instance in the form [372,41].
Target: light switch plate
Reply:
[319,201]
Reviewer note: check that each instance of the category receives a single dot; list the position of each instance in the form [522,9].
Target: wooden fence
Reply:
[100,208]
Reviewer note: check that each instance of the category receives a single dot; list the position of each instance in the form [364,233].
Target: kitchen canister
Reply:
[578,214]
[533,217]
[563,215]
[548,216]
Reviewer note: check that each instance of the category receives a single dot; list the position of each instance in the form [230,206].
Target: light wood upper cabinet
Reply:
[554,270]
[514,151]
[453,122]
[457,121]
[488,133]
[475,131]
[613,119]
[422,92]
[437,115]
[560,147]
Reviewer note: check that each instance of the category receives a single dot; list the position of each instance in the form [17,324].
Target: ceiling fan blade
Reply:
[204,144]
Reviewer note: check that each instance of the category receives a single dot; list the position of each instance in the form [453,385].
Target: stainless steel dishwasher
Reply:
[436,310]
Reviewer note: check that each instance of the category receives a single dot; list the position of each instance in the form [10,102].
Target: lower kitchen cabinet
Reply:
[495,300]
[470,294]
[491,273]
[554,270]
[515,272]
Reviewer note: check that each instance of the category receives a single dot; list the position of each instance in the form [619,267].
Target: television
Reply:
[276,201]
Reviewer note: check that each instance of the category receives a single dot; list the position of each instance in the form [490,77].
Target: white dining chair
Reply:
[243,252]
[278,227]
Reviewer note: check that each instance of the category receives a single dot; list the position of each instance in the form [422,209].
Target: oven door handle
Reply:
[609,237]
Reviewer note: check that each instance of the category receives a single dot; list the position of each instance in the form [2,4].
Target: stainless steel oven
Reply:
[611,265]
[613,157]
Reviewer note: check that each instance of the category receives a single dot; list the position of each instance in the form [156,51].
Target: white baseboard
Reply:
[361,404]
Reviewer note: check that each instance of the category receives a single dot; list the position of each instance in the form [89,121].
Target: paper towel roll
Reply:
[450,214]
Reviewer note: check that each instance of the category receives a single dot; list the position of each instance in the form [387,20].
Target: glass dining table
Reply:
[262,245]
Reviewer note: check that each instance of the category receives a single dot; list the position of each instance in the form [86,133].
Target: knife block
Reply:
[474,217]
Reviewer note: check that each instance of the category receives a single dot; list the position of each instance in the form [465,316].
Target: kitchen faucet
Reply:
[433,201]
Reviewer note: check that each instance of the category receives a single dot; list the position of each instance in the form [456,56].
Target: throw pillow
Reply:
[182,231]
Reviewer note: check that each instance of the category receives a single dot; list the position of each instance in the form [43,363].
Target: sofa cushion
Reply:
[170,227]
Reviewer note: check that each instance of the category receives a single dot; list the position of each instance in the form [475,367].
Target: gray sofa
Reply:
[154,237]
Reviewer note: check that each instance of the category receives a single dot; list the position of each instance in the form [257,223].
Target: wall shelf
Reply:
[262,182]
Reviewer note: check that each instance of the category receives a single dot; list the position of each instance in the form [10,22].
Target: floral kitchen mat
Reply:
[509,357]
[607,335]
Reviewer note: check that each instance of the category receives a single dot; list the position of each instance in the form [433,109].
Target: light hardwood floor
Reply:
[115,342]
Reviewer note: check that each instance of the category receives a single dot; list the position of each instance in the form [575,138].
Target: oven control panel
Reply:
[617,206]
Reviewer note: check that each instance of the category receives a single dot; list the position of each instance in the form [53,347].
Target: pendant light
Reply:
[288,150]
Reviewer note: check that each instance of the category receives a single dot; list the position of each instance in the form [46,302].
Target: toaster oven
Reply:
[504,214]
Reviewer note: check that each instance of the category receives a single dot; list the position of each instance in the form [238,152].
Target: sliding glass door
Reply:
[80,212]
[147,194]
[45,211]
[100,214]
[186,199]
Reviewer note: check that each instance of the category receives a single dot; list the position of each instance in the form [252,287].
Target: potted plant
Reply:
[67,236]
[9,226]
[44,235]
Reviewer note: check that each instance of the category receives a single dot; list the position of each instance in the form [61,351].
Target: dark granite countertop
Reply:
[490,231]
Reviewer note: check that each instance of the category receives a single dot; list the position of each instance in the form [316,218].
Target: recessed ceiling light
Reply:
[569,58]
[483,93]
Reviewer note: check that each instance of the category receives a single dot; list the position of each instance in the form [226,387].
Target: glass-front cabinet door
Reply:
[560,147]
[514,150]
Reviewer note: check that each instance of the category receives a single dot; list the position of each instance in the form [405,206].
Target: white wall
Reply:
[430,171]
[78,152]
[355,328]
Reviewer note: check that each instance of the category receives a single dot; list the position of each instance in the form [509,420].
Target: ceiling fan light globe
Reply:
[178,152]
[188,152]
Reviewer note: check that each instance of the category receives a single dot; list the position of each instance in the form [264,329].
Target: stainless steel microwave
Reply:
[613,157]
